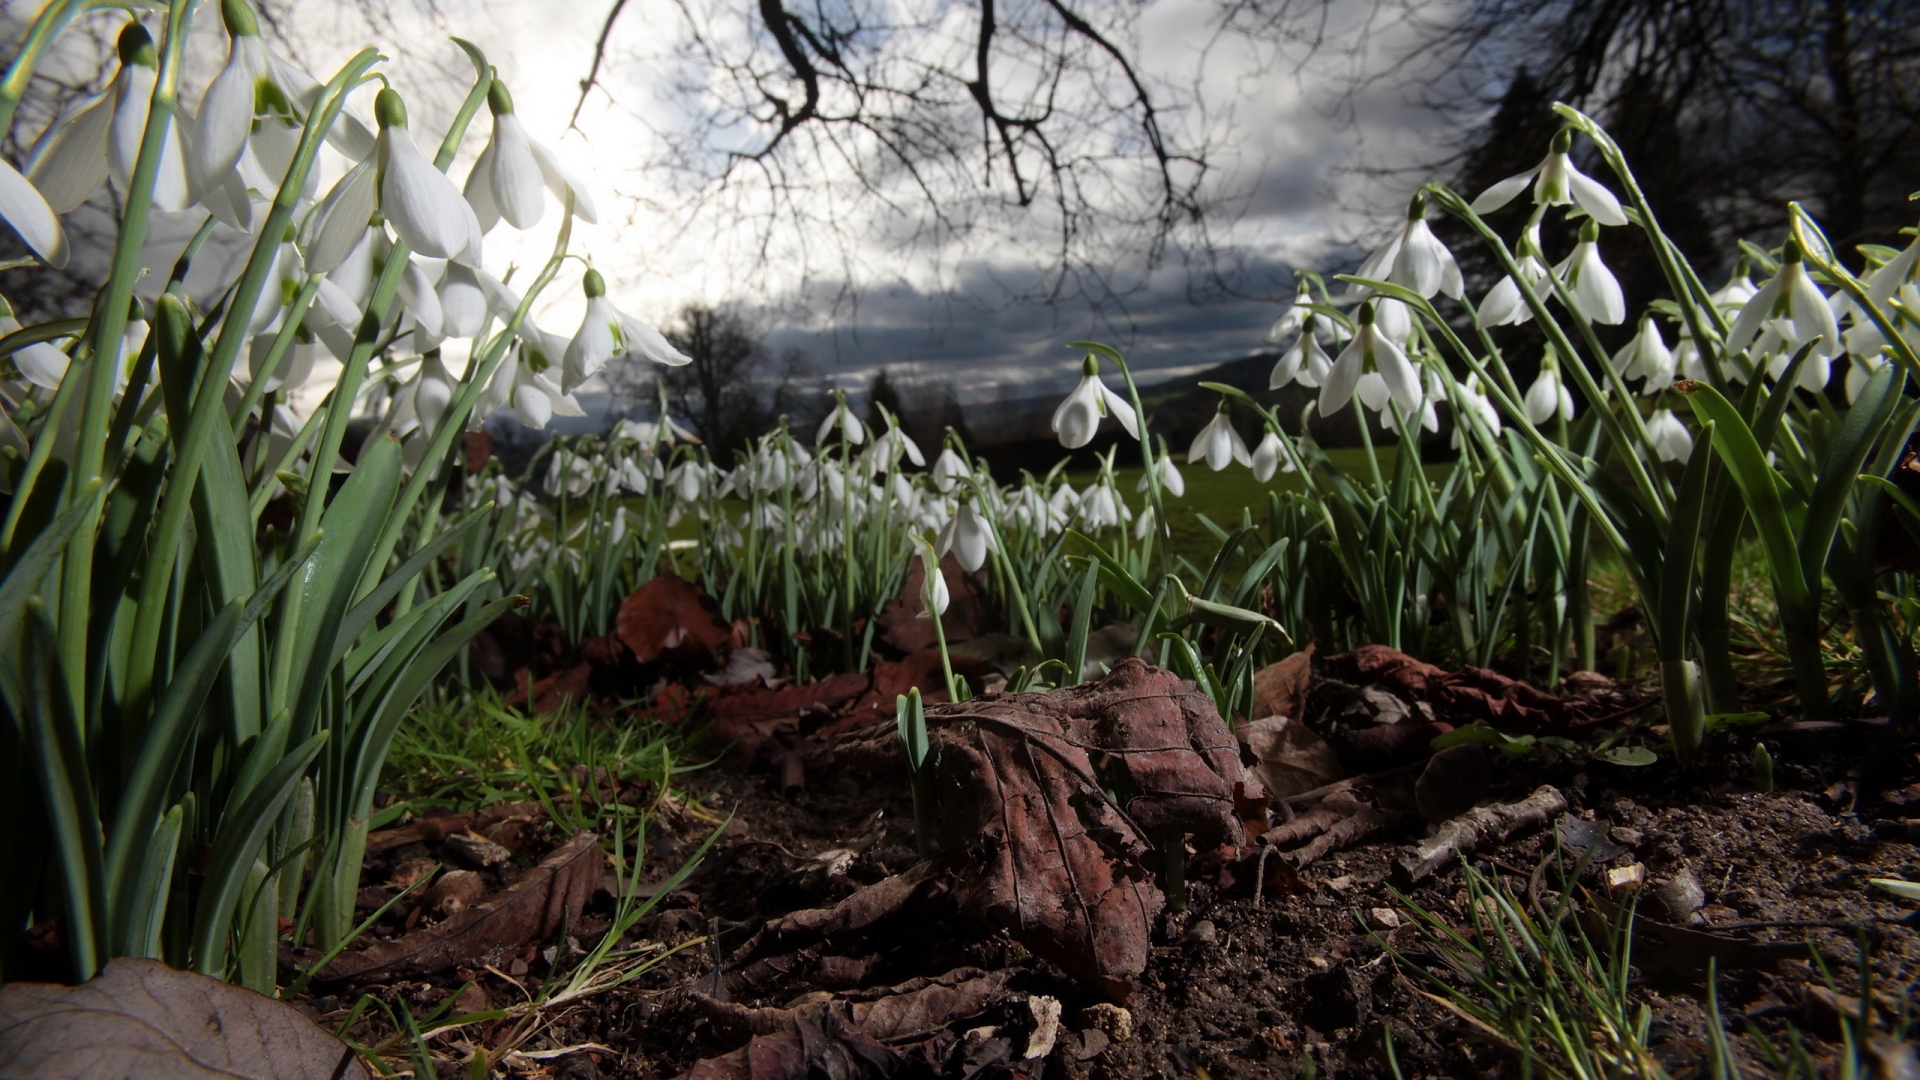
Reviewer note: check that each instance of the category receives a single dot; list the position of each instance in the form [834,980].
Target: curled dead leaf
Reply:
[142,1018]
[670,616]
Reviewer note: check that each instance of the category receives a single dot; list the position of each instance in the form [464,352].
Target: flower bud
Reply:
[136,46]
[498,99]
[389,110]
[239,18]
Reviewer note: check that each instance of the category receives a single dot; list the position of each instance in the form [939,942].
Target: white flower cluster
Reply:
[227,157]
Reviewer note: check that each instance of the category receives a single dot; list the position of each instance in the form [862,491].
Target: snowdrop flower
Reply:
[1269,456]
[463,303]
[890,446]
[426,211]
[1101,506]
[1218,443]
[968,536]
[256,103]
[1646,357]
[1736,292]
[1304,361]
[1671,440]
[1392,320]
[1414,258]
[1171,481]
[933,583]
[432,392]
[1686,357]
[841,417]
[1556,182]
[1504,305]
[1548,396]
[688,480]
[101,139]
[509,175]
[607,332]
[1777,346]
[949,469]
[574,477]
[1790,296]
[24,208]
[1473,401]
[42,363]
[1370,353]
[1078,417]
[1594,288]
[1294,319]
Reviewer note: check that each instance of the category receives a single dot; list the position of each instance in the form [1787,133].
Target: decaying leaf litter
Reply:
[1051,932]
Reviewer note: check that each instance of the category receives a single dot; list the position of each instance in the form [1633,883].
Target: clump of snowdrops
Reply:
[198,707]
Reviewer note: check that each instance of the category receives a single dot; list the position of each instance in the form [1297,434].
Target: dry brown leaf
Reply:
[1290,758]
[669,616]
[1280,689]
[1042,851]
[553,892]
[901,625]
[141,1018]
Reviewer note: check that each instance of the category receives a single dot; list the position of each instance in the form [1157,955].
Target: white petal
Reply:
[71,163]
[560,180]
[532,405]
[226,119]
[24,208]
[1119,408]
[1337,389]
[652,344]
[1403,382]
[463,304]
[479,190]
[41,364]
[513,175]
[132,94]
[1595,199]
[425,209]
[1503,192]
[342,219]
[421,301]
[1753,315]
[1542,396]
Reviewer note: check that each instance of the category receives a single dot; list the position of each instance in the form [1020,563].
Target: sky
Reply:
[1285,147]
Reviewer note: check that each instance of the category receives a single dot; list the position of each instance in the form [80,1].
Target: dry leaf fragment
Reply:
[553,892]
[670,616]
[141,1018]
[1291,759]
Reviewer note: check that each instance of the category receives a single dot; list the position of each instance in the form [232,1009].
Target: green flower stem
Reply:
[107,332]
[210,394]
[1161,525]
[282,342]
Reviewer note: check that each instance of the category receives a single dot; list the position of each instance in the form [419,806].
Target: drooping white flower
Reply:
[968,536]
[1548,395]
[1292,320]
[1594,288]
[463,304]
[606,332]
[1646,357]
[433,389]
[426,210]
[948,470]
[1370,352]
[933,584]
[1375,397]
[23,207]
[1218,443]
[510,177]
[101,139]
[1671,440]
[258,102]
[1078,417]
[1504,304]
[841,417]
[1736,292]
[1102,507]
[1556,182]
[1304,361]
[1269,456]
[890,446]
[1473,401]
[1791,296]
[1413,258]
[1168,474]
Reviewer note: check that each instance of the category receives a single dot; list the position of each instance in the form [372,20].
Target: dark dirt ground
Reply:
[1295,984]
